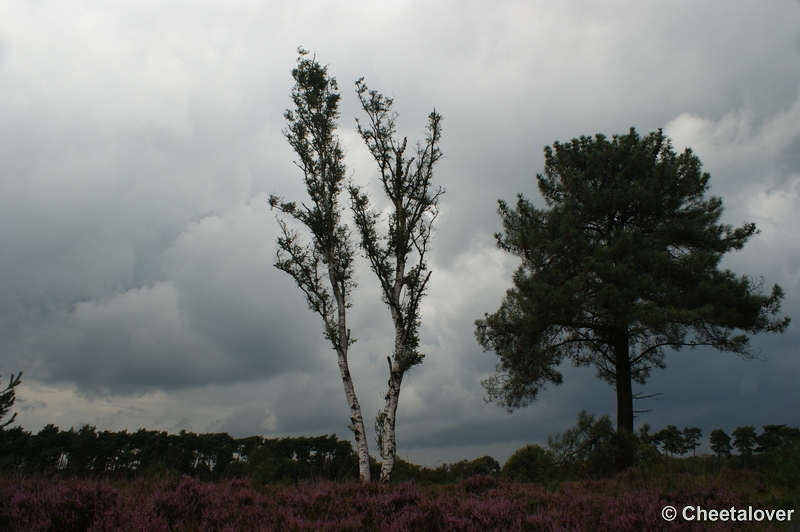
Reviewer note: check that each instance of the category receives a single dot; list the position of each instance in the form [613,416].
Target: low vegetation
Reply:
[479,503]
[148,480]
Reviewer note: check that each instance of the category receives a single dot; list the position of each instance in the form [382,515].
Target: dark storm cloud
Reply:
[221,318]
[138,144]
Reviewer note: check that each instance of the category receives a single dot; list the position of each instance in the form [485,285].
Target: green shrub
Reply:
[531,463]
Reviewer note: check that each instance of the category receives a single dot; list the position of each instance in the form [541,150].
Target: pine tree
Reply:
[745,439]
[720,443]
[7,398]
[621,264]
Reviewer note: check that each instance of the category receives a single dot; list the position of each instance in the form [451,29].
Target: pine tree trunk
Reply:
[624,393]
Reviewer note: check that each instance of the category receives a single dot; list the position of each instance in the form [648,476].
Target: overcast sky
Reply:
[139,142]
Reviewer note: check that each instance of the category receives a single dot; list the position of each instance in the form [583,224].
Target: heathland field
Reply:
[148,480]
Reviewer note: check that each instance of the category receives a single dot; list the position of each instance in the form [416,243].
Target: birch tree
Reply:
[398,255]
[323,268]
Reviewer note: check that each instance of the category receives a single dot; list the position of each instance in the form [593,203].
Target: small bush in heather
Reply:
[444,473]
[531,463]
[405,471]
[485,465]
[590,449]
[264,467]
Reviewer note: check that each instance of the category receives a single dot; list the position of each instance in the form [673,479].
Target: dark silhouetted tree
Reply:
[398,253]
[323,268]
[7,398]
[671,441]
[621,264]
[720,443]
[776,437]
[744,439]
[691,439]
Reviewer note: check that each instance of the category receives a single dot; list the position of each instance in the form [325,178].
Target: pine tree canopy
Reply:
[623,262]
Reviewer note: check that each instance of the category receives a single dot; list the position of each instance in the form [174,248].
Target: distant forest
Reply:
[588,450]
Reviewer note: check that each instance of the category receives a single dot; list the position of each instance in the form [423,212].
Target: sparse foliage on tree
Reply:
[7,399]
[579,443]
[621,264]
[398,245]
[322,268]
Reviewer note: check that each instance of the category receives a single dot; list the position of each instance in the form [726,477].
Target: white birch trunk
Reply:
[396,371]
[355,418]
[389,450]
[357,421]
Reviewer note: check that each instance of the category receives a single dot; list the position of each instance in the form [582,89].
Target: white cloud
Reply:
[246,421]
[754,168]
[745,147]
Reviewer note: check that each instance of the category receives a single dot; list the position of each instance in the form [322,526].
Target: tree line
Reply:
[592,449]
[89,453]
